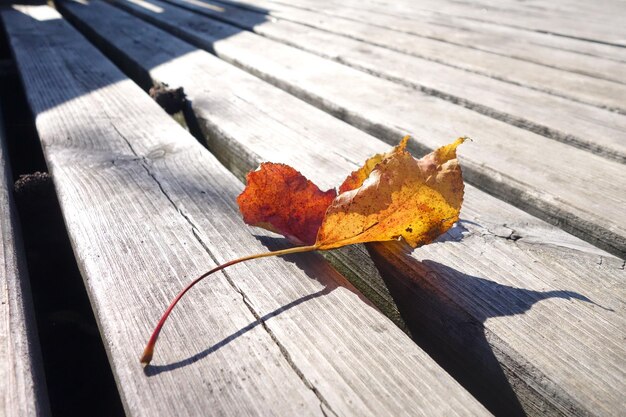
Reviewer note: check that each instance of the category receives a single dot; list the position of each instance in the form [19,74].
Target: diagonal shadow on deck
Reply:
[457,338]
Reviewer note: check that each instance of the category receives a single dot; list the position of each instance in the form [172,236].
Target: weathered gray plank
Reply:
[492,296]
[147,208]
[565,53]
[22,383]
[584,126]
[444,34]
[392,22]
[585,89]
[603,9]
[510,162]
[591,26]
[411,16]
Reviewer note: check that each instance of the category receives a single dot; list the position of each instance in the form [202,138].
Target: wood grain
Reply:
[588,127]
[516,308]
[450,38]
[600,24]
[394,22]
[590,24]
[148,208]
[584,89]
[22,383]
[585,202]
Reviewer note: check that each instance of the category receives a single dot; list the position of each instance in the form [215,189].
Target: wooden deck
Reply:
[518,310]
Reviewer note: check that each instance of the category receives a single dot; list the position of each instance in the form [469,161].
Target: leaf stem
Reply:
[149,350]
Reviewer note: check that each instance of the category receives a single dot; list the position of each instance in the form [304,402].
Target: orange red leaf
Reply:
[393,196]
[280,199]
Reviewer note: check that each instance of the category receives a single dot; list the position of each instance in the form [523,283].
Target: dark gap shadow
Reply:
[78,378]
[312,268]
[455,337]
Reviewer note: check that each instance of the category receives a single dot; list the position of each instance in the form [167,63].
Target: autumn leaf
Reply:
[280,199]
[393,196]
[356,178]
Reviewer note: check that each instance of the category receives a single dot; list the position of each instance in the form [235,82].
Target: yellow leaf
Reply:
[401,197]
[356,178]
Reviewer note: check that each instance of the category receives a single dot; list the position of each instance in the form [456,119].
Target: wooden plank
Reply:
[401,23]
[565,53]
[603,9]
[143,39]
[589,26]
[568,8]
[147,208]
[592,25]
[581,88]
[585,202]
[405,34]
[587,127]
[22,383]
[500,298]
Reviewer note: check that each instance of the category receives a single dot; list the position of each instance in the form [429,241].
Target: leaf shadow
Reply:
[454,332]
[152,370]
[308,264]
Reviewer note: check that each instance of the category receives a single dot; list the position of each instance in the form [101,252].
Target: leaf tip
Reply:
[403,142]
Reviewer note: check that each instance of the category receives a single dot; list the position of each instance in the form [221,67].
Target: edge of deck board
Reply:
[22,382]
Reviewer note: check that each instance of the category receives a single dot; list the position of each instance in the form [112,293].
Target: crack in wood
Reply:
[284,352]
